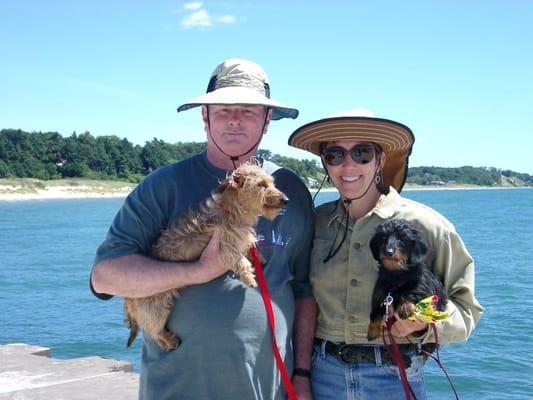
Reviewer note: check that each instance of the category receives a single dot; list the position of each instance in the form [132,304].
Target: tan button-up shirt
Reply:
[343,285]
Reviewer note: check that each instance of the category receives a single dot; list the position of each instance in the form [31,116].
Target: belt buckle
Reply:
[353,353]
[348,353]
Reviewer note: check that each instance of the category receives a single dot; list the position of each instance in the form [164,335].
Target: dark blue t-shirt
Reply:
[226,350]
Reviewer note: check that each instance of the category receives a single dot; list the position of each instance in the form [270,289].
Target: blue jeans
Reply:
[334,379]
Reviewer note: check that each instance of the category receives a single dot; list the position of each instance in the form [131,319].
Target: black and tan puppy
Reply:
[401,253]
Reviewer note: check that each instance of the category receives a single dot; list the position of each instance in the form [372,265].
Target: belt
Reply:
[353,353]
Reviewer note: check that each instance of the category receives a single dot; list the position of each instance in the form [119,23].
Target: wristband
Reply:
[302,372]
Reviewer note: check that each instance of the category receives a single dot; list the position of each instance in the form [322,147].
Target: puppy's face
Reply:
[393,254]
[253,192]
[273,200]
[398,244]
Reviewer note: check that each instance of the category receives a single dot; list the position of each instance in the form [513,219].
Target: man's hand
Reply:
[209,266]
[302,387]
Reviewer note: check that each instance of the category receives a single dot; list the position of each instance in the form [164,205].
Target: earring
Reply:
[377,179]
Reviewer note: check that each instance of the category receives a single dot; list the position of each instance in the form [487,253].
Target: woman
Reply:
[366,158]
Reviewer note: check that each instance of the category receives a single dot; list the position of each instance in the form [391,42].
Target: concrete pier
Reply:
[29,373]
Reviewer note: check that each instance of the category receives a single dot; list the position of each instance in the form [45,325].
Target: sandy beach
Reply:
[34,189]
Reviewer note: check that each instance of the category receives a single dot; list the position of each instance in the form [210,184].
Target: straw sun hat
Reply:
[395,139]
[237,81]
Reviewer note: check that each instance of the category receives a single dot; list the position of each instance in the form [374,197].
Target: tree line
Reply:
[49,155]
[439,176]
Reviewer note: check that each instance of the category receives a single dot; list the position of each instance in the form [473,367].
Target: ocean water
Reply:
[47,249]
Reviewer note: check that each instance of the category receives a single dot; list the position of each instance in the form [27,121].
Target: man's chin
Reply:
[236,146]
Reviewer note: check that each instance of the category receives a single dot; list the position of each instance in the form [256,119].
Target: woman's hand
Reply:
[405,327]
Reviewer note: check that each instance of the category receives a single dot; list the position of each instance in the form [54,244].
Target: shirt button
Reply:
[352,319]
[354,282]
[356,245]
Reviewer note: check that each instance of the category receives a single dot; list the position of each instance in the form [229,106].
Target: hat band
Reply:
[256,84]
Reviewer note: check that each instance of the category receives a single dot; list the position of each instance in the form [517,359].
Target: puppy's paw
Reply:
[374,330]
[406,310]
[245,272]
[243,265]
[168,340]
[248,278]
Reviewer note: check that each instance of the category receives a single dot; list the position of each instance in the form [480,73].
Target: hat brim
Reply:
[394,138]
[241,95]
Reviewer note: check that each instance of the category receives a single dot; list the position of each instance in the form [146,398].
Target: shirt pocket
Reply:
[327,273]
[319,252]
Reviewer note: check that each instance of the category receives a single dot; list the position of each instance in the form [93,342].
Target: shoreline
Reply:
[46,195]
[33,189]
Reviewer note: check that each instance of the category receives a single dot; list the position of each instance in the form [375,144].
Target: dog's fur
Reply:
[401,253]
[235,207]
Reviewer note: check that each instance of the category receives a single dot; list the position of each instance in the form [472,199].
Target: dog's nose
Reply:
[285,200]
[388,252]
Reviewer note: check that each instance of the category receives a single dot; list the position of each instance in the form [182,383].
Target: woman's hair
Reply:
[384,189]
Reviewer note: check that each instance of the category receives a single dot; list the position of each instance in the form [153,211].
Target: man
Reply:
[226,350]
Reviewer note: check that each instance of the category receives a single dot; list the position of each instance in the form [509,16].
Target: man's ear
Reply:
[204,114]
[268,118]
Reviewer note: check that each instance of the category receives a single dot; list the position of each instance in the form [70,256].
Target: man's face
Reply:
[235,128]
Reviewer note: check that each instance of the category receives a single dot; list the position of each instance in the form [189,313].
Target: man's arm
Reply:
[303,339]
[136,275]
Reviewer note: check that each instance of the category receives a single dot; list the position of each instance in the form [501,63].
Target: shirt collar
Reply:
[338,214]
[387,204]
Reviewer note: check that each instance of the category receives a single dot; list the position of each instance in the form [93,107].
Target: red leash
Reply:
[272,322]
[396,354]
[439,362]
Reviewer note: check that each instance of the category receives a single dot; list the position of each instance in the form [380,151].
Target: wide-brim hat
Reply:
[395,139]
[237,81]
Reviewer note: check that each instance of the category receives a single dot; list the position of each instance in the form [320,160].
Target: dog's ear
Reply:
[375,245]
[420,248]
[237,178]
[222,187]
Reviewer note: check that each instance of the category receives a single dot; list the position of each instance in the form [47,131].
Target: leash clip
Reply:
[387,303]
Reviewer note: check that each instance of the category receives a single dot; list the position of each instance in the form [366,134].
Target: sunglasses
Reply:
[360,153]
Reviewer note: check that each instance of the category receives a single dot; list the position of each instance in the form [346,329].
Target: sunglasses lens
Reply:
[334,156]
[362,154]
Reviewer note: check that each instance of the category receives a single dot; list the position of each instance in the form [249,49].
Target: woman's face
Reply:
[352,178]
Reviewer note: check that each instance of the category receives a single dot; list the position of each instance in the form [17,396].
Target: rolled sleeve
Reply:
[137,224]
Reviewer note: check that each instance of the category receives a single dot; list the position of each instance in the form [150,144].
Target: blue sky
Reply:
[459,73]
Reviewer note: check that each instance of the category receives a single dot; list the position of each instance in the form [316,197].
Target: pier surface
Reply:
[29,373]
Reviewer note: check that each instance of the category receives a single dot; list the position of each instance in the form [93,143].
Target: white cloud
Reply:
[198,19]
[226,19]
[193,6]
[197,16]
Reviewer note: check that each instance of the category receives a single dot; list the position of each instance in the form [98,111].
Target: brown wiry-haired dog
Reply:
[235,207]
